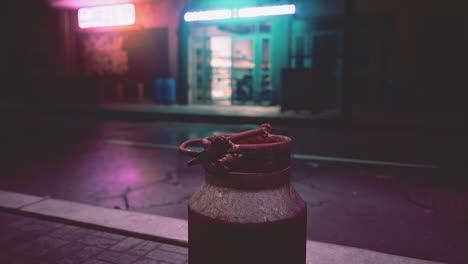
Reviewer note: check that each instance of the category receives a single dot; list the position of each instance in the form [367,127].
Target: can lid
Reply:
[251,151]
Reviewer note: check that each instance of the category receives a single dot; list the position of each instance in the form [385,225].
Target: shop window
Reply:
[266,64]
[265,27]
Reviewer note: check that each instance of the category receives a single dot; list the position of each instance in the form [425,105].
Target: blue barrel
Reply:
[169,91]
[158,91]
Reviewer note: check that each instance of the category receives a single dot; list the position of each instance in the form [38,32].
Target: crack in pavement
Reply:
[169,178]
[125,197]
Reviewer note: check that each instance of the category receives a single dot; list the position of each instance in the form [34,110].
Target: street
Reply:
[398,192]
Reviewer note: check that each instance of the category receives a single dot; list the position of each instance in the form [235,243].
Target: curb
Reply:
[150,227]
[195,117]
[165,229]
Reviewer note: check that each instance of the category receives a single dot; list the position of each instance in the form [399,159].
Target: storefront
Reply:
[231,64]
[286,53]
[236,59]
[244,52]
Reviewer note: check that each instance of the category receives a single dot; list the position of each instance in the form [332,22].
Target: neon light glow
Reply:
[240,13]
[267,11]
[106,16]
[208,15]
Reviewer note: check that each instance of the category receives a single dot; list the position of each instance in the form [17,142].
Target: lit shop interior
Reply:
[275,53]
[232,63]
[230,60]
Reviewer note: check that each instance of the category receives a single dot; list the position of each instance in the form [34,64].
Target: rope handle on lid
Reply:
[183,147]
[222,149]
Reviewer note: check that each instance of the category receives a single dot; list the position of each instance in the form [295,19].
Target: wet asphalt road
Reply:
[417,209]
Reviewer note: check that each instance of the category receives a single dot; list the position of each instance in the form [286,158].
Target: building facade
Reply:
[232,61]
[293,60]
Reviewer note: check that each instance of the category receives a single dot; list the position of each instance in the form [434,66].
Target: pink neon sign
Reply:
[106,16]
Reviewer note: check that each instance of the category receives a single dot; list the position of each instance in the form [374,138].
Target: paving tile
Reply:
[73,252]
[95,261]
[80,232]
[21,222]
[70,248]
[54,255]
[170,257]
[68,260]
[86,252]
[181,250]
[62,231]
[143,248]
[26,260]
[37,228]
[97,241]
[52,225]
[109,235]
[91,259]
[116,257]
[31,249]
[126,244]
[148,261]
[13,238]
[51,242]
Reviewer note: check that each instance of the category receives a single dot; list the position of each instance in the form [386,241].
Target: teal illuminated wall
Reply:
[305,7]
[228,4]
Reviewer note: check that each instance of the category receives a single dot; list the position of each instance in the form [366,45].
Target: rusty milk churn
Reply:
[246,211]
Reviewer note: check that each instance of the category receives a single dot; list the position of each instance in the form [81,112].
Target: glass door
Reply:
[199,68]
[221,64]
[251,69]
[264,94]
[230,64]
[243,69]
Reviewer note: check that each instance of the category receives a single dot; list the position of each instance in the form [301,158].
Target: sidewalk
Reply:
[42,230]
[273,115]
[256,115]
[239,114]
[29,240]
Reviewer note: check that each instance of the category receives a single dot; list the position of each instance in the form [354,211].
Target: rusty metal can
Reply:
[246,211]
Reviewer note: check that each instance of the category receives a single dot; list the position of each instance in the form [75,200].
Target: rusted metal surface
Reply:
[246,211]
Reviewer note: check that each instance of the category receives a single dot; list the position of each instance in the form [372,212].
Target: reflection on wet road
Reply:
[136,166]
[293,155]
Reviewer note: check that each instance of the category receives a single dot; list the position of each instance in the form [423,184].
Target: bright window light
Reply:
[106,16]
[267,11]
[208,15]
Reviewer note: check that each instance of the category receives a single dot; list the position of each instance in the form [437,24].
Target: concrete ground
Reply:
[121,237]
[398,192]
[28,240]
